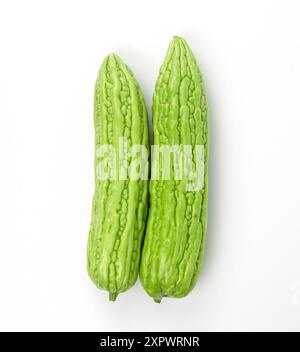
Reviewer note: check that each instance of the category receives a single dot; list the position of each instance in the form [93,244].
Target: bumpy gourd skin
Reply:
[176,227]
[120,207]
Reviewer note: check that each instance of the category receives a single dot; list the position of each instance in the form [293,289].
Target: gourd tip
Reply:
[177,37]
[112,57]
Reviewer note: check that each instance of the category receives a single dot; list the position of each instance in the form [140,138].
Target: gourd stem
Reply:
[113,296]
[157,299]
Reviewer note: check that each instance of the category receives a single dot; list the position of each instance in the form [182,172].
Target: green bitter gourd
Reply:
[176,227]
[120,206]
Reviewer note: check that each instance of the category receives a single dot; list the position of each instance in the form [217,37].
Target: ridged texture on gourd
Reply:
[119,206]
[176,227]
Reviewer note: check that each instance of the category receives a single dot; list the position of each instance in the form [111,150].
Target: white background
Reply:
[249,54]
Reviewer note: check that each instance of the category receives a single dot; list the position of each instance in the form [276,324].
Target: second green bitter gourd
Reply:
[176,227]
